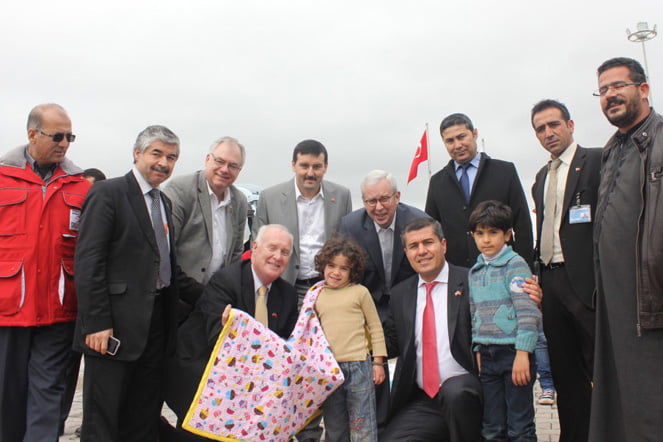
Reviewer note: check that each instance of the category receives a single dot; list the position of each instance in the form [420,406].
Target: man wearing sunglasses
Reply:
[41,195]
[209,212]
[628,239]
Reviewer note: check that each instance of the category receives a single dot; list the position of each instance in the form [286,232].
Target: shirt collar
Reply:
[145,187]
[299,194]
[257,283]
[567,156]
[33,162]
[474,161]
[442,277]
[226,198]
[391,226]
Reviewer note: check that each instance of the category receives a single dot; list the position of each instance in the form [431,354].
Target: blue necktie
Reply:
[465,181]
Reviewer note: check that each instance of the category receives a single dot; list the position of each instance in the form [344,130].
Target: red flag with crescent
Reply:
[419,157]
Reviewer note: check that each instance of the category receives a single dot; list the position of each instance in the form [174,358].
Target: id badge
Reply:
[580,214]
[74,219]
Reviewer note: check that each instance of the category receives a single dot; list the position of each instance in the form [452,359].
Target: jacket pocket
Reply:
[13,208]
[505,318]
[66,289]
[12,287]
[117,288]
[74,202]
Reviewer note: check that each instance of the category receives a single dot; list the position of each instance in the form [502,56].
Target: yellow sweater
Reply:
[345,314]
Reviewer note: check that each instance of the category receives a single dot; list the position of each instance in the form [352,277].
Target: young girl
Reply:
[346,310]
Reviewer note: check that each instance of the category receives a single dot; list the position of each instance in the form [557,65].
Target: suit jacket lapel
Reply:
[454,299]
[397,252]
[450,171]
[289,204]
[230,224]
[205,207]
[373,244]
[575,169]
[538,199]
[331,208]
[248,291]
[409,307]
[137,203]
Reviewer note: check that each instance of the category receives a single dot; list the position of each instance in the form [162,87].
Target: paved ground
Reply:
[547,425]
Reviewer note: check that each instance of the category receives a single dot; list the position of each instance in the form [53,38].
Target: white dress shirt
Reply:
[219,233]
[562,173]
[311,222]
[449,367]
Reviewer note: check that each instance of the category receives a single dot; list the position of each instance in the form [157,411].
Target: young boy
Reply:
[504,327]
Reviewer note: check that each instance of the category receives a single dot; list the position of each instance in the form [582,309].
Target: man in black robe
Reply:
[627,402]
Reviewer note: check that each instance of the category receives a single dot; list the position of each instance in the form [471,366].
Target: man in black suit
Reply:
[237,285]
[128,287]
[468,179]
[377,228]
[565,194]
[452,412]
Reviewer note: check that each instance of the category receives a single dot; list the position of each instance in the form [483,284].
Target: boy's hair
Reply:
[342,245]
[491,214]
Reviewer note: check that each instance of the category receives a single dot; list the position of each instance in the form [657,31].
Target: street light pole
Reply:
[643,34]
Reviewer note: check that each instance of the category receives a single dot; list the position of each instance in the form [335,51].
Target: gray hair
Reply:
[36,114]
[375,176]
[266,227]
[155,133]
[230,140]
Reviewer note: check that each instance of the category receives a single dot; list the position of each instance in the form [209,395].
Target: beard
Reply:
[628,117]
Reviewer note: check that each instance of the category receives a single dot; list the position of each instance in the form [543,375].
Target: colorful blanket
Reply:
[256,386]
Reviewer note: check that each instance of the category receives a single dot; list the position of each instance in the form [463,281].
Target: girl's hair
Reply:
[340,244]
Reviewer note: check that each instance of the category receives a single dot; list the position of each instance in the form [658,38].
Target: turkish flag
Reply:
[419,157]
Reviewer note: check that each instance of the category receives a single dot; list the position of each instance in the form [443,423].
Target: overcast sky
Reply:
[363,77]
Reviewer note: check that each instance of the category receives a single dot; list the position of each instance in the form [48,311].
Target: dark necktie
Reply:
[465,181]
[162,240]
[429,363]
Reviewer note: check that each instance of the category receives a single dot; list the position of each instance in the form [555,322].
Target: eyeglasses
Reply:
[616,86]
[383,200]
[59,136]
[220,162]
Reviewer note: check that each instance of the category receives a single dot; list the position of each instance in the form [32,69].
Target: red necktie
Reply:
[429,364]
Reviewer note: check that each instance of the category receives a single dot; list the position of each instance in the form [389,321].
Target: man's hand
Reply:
[99,341]
[533,289]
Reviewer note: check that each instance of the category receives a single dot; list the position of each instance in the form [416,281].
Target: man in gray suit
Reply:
[209,212]
[311,210]
[309,207]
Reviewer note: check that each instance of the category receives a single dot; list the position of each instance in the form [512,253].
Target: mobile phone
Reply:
[113,345]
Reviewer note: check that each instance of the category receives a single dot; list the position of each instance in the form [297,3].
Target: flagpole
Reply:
[428,160]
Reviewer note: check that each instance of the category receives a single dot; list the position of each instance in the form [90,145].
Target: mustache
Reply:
[614,100]
[160,169]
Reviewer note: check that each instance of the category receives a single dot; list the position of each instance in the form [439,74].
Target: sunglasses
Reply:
[59,136]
